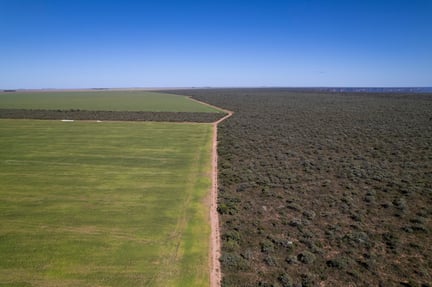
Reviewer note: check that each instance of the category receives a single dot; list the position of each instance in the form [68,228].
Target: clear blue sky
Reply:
[80,44]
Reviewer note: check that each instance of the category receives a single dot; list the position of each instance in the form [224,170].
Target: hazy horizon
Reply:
[164,44]
[216,87]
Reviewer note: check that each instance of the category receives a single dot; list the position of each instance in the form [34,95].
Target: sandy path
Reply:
[215,245]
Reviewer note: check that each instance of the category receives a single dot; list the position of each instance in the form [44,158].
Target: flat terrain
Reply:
[324,189]
[104,204]
[144,101]
[110,115]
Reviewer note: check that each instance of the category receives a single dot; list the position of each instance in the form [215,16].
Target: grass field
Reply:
[102,101]
[104,204]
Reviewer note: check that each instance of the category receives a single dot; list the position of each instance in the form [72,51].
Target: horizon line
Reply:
[214,87]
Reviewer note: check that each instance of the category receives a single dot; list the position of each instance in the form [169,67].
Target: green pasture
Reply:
[104,204]
[103,101]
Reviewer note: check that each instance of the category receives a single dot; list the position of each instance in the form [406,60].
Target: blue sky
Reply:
[83,44]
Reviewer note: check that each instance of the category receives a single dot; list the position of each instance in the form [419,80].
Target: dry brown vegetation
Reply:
[324,189]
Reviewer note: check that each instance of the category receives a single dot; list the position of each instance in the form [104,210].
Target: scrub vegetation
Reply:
[110,115]
[104,204]
[324,189]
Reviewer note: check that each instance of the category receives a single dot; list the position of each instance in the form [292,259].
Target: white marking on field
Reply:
[67,120]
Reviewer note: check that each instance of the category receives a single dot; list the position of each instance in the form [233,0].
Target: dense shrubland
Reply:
[76,114]
[324,189]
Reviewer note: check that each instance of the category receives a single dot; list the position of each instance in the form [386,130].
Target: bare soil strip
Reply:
[215,245]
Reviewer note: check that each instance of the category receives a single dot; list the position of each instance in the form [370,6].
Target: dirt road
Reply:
[215,246]
[215,272]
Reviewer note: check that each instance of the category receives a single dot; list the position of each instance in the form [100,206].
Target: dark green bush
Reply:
[306,257]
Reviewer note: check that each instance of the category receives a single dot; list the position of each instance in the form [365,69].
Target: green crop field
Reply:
[104,204]
[103,101]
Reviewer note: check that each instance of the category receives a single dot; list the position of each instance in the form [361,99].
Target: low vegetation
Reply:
[102,101]
[324,189]
[104,204]
[110,115]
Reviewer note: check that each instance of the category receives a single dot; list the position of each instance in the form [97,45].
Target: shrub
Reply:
[306,257]
[285,280]
[307,280]
[339,263]
[270,261]
[267,246]
[231,235]
[234,262]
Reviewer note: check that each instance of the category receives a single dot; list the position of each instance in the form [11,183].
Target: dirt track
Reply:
[215,272]
[215,246]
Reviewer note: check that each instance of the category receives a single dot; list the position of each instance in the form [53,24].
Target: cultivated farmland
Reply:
[104,204]
[142,101]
